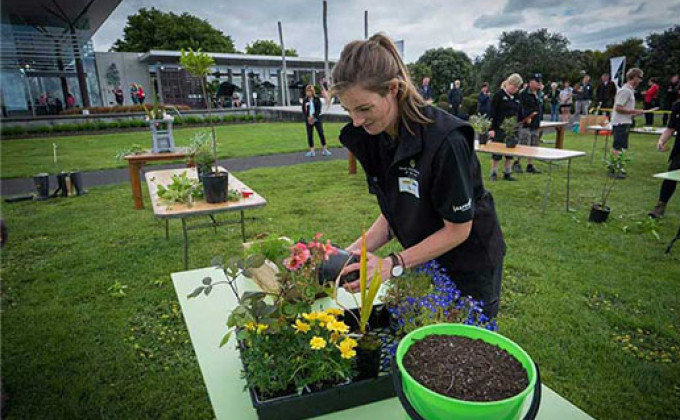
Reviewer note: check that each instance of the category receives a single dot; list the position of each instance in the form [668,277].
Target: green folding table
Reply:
[206,316]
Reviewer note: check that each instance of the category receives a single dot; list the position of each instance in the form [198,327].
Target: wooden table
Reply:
[559,130]
[671,176]
[182,211]
[539,153]
[136,162]
[221,367]
[596,129]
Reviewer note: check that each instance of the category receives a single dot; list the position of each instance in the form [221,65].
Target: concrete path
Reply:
[19,186]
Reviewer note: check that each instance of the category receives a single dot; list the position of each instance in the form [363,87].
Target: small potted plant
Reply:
[182,189]
[481,124]
[509,128]
[215,183]
[615,169]
[199,153]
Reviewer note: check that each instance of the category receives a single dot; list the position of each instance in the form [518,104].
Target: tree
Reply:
[633,49]
[418,72]
[268,47]
[446,65]
[663,54]
[153,29]
[526,53]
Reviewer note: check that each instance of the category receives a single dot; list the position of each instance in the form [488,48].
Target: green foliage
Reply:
[615,166]
[13,131]
[418,71]
[525,53]
[153,29]
[268,47]
[470,104]
[663,54]
[443,105]
[134,149]
[509,127]
[446,65]
[273,248]
[480,123]
[200,150]
[410,284]
[182,190]
[198,63]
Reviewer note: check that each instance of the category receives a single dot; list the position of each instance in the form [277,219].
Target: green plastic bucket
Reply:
[430,405]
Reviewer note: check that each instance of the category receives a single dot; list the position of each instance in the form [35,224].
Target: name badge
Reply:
[409,185]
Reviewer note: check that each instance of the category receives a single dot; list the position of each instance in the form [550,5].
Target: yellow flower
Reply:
[261,327]
[335,311]
[348,343]
[301,326]
[347,353]
[338,326]
[309,317]
[251,326]
[317,343]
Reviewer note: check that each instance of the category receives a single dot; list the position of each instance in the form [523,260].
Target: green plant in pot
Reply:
[215,183]
[199,152]
[615,166]
[509,128]
[182,189]
[481,124]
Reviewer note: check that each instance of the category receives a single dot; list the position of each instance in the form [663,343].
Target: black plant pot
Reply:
[42,186]
[511,142]
[368,357]
[62,188]
[483,138]
[77,182]
[599,214]
[215,186]
[202,169]
[331,268]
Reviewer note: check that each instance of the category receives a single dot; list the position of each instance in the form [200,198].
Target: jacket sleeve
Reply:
[304,108]
[317,108]
[495,113]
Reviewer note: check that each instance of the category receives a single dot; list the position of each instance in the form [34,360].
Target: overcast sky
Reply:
[423,24]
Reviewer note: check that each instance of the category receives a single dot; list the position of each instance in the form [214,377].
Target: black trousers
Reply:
[649,117]
[310,133]
[484,285]
[668,186]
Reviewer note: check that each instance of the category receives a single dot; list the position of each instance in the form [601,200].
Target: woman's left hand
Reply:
[372,262]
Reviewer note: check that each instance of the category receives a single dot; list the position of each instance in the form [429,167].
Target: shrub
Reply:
[443,105]
[41,129]
[228,118]
[443,98]
[470,104]
[259,117]
[89,126]
[101,125]
[191,120]
[139,123]
[65,127]
[178,121]
[114,124]
[12,131]
[124,123]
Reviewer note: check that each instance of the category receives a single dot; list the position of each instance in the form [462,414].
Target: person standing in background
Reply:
[70,100]
[606,92]
[584,95]
[565,101]
[426,90]
[311,109]
[484,101]
[141,96]
[455,98]
[651,100]
[553,98]
[668,186]
[118,93]
[133,93]
[529,121]
[504,104]
[624,110]
[670,95]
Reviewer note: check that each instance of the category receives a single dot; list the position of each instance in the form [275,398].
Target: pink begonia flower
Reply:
[328,250]
[300,254]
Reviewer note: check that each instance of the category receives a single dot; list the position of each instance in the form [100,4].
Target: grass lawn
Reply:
[596,305]
[27,157]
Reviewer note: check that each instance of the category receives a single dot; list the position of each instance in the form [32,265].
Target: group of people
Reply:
[48,104]
[137,94]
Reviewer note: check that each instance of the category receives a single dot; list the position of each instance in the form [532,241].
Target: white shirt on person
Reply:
[625,98]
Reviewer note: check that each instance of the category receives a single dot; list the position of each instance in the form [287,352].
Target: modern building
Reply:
[47,63]
[258,78]
[46,55]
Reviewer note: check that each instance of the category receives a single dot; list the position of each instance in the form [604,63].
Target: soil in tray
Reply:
[465,369]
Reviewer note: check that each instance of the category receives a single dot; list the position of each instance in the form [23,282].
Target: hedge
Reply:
[121,109]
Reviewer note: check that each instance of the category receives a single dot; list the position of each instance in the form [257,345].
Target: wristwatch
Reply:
[397,268]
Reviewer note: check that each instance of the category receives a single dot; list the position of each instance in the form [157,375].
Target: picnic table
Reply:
[671,176]
[559,131]
[199,208]
[137,162]
[221,367]
[539,153]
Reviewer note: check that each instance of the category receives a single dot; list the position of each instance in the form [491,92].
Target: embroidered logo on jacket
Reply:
[464,207]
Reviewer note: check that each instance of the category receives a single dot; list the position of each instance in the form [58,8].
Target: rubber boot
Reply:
[42,186]
[61,190]
[77,181]
[658,211]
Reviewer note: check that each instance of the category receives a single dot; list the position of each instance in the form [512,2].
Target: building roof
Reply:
[164,57]
[53,13]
